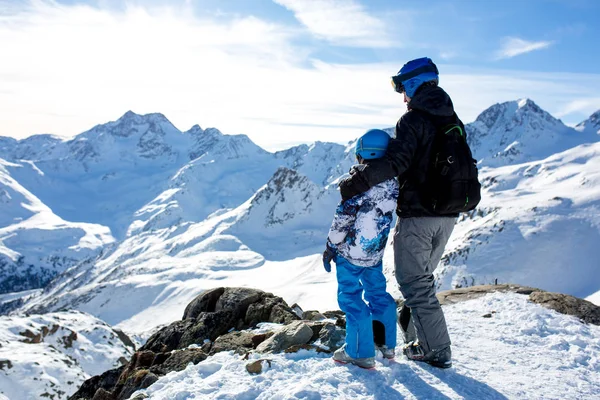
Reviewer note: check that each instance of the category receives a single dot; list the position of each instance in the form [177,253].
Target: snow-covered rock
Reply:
[49,356]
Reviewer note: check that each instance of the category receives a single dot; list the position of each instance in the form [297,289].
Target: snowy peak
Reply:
[287,194]
[154,136]
[519,131]
[592,124]
[317,161]
[515,114]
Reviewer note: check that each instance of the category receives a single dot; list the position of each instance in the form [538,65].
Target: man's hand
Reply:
[328,255]
[354,184]
[365,176]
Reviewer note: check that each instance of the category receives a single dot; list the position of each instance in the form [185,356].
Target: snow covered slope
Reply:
[592,124]
[538,224]
[133,175]
[36,244]
[519,131]
[49,356]
[238,216]
[545,355]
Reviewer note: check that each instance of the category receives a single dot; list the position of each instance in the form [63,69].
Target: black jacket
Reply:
[408,154]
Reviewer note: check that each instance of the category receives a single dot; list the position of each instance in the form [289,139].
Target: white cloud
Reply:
[513,46]
[344,22]
[66,68]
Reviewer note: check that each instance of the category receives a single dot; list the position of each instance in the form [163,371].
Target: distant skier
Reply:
[356,243]
[438,179]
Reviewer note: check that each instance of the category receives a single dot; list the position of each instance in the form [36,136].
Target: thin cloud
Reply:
[513,46]
[343,22]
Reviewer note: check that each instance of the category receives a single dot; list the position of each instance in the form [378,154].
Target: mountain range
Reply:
[128,222]
[136,210]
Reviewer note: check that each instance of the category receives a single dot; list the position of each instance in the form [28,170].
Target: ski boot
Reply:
[440,358]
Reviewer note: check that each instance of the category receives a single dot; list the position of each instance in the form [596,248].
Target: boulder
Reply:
[140,379]
[239,342]
[313,315]
[105,383]
[178,361]
[205,302]
[168,338]
[256,367]
[297,332]
[569,305]
[332,336]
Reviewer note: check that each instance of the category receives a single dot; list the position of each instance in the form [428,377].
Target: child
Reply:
[356,242]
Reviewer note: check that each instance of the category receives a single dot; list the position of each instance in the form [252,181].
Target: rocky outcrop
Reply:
[217,311]
[295,333]
[215,321]
[570,305]
[562,303]
[474,292]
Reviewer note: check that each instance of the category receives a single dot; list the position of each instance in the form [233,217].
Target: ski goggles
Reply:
[397,84]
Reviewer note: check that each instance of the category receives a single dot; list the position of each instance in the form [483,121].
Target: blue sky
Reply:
[286,71]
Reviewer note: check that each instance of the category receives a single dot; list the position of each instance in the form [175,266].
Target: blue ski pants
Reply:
[379,306]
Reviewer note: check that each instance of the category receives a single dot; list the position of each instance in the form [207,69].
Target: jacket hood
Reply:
[432,100]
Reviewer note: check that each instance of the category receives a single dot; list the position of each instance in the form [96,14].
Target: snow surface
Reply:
[522,351]
[36,244]
[74,346]
[594,298]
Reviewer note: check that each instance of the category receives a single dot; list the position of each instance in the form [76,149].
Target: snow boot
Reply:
[440,358]
[341,356]
[387,352]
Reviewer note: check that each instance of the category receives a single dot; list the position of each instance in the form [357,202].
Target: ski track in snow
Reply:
[523,351]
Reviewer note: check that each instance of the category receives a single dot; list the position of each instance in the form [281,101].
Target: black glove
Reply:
[328,255]
[365,176]
[354,184]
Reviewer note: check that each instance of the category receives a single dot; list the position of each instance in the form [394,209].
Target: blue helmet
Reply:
[372,144]
[413,74]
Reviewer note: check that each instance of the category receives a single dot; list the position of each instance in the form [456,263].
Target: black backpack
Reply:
[451,184]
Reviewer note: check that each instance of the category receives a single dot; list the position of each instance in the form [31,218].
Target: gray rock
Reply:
[239,342]
[297,332]
[208,326]
[569,305]
[102,394]
[205,302]
[181,334]
[256,367]
[178,361]
[238,300]
[140,379]
[313,315]
[105,382]
[169,337]
[332,336]
[473,292]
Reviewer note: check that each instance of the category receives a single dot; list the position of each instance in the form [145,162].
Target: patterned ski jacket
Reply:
[361,224]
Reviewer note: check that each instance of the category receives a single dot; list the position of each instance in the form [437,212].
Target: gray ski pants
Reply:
[418,247]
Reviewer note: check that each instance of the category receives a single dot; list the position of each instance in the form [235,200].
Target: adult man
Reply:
[421,232]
